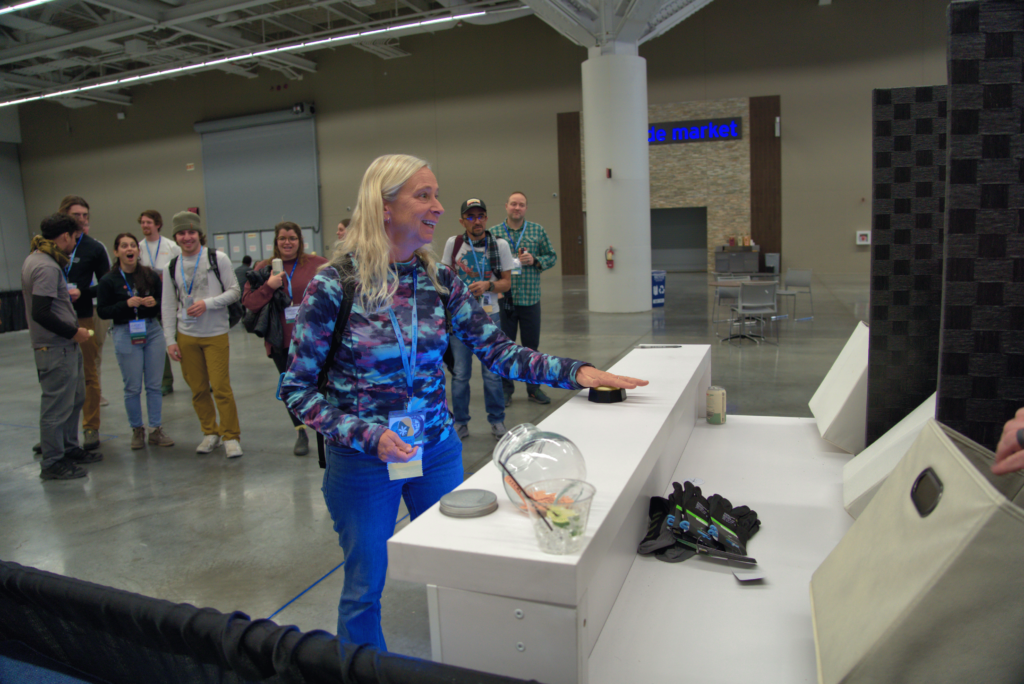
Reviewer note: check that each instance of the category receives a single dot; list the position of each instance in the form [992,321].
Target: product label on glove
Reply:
[723,532]
[695,522]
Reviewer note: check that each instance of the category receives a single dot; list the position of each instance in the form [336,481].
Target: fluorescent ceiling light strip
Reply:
[438,21]
[23,5]
[211,63]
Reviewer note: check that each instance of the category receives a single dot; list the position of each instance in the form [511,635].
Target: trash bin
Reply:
[771,262]
[657,288]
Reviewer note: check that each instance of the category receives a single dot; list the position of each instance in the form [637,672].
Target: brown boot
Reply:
[138,438]
[159,438]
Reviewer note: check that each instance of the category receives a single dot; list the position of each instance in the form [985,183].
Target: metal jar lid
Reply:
[469,503]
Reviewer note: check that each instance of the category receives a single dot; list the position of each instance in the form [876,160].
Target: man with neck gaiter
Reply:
[57,341]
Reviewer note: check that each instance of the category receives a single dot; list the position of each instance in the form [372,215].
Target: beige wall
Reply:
[480,102]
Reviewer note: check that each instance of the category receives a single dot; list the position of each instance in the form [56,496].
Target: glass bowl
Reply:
[527,454]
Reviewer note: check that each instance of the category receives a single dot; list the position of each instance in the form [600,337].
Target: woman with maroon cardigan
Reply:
[299,269]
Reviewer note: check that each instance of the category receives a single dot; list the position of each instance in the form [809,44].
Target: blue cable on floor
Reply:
[299,595]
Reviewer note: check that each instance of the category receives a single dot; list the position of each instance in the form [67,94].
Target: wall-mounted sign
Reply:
[702,130]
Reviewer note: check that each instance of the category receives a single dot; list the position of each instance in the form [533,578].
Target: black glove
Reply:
[690,517]
[658,536]
[731,528]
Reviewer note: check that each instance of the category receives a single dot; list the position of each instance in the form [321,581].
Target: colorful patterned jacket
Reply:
[368,380]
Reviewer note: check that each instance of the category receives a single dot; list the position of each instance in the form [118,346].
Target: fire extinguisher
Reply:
[609,257]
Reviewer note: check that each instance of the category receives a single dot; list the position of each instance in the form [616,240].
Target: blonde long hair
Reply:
[364,254]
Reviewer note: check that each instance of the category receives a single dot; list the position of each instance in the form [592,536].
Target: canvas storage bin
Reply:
[910,598]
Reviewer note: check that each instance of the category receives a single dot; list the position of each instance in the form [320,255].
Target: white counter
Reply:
[759,632]
[499,604]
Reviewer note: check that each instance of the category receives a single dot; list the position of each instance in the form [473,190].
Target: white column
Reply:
[618,208]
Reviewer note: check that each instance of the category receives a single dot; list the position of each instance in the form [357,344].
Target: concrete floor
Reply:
[253,533]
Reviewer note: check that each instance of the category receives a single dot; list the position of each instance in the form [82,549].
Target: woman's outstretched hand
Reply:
[588,376]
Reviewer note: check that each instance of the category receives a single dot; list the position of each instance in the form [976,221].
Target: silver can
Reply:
[716,405]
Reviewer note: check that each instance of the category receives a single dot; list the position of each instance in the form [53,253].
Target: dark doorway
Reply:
[679,239]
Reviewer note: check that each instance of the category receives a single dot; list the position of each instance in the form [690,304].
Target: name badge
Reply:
[410,426]
[290,314]
[137,331]
[72,286]
[517,267]
[488,302]
[183,313]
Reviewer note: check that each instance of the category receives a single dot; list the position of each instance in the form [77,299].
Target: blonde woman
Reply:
[387,377]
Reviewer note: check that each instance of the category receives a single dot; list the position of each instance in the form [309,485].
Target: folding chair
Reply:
[756,301]
[802,280]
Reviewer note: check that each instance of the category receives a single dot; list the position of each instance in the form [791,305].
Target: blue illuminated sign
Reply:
[702,130]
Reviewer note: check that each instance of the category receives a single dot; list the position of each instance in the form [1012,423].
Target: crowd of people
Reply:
[168,299]
[392,307]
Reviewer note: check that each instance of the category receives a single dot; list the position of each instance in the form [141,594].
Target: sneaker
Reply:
[232,448]
[462,430]
[209,443]
[62,470]
[37,448]
[159,438]
[508,400]
[138,438]
[498,430]
[104,401]
[538,397]
[80,455]
[91,440]
[165,390]
[301,442]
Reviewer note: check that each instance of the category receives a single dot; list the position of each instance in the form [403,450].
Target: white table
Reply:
[498,604]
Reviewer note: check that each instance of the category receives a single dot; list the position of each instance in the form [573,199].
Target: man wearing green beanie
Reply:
[195,318]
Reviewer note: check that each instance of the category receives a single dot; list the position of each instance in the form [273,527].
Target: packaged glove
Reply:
[731,528]
[690,516]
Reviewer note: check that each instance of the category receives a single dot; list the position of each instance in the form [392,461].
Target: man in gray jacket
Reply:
[57,344]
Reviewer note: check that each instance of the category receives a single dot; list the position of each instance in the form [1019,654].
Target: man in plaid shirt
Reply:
[521,311]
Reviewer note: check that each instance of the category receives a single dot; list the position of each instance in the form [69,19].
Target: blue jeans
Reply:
[363,504]
[494,397]
[138,362]
[526,321]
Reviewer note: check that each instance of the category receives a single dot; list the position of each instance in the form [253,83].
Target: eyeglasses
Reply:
[475,217]
[287,239]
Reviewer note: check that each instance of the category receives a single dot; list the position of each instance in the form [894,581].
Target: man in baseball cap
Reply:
[484,263]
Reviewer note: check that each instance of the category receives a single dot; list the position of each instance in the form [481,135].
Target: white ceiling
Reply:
[68,44]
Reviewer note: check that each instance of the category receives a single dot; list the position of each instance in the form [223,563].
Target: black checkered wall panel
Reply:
[906,252]
[981,371]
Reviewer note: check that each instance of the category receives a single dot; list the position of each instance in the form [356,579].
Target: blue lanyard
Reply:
[476,259]
[67,269]
[191,282]
[290,296]
[152,261]
[408,362]
[509,234]
[131,292]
